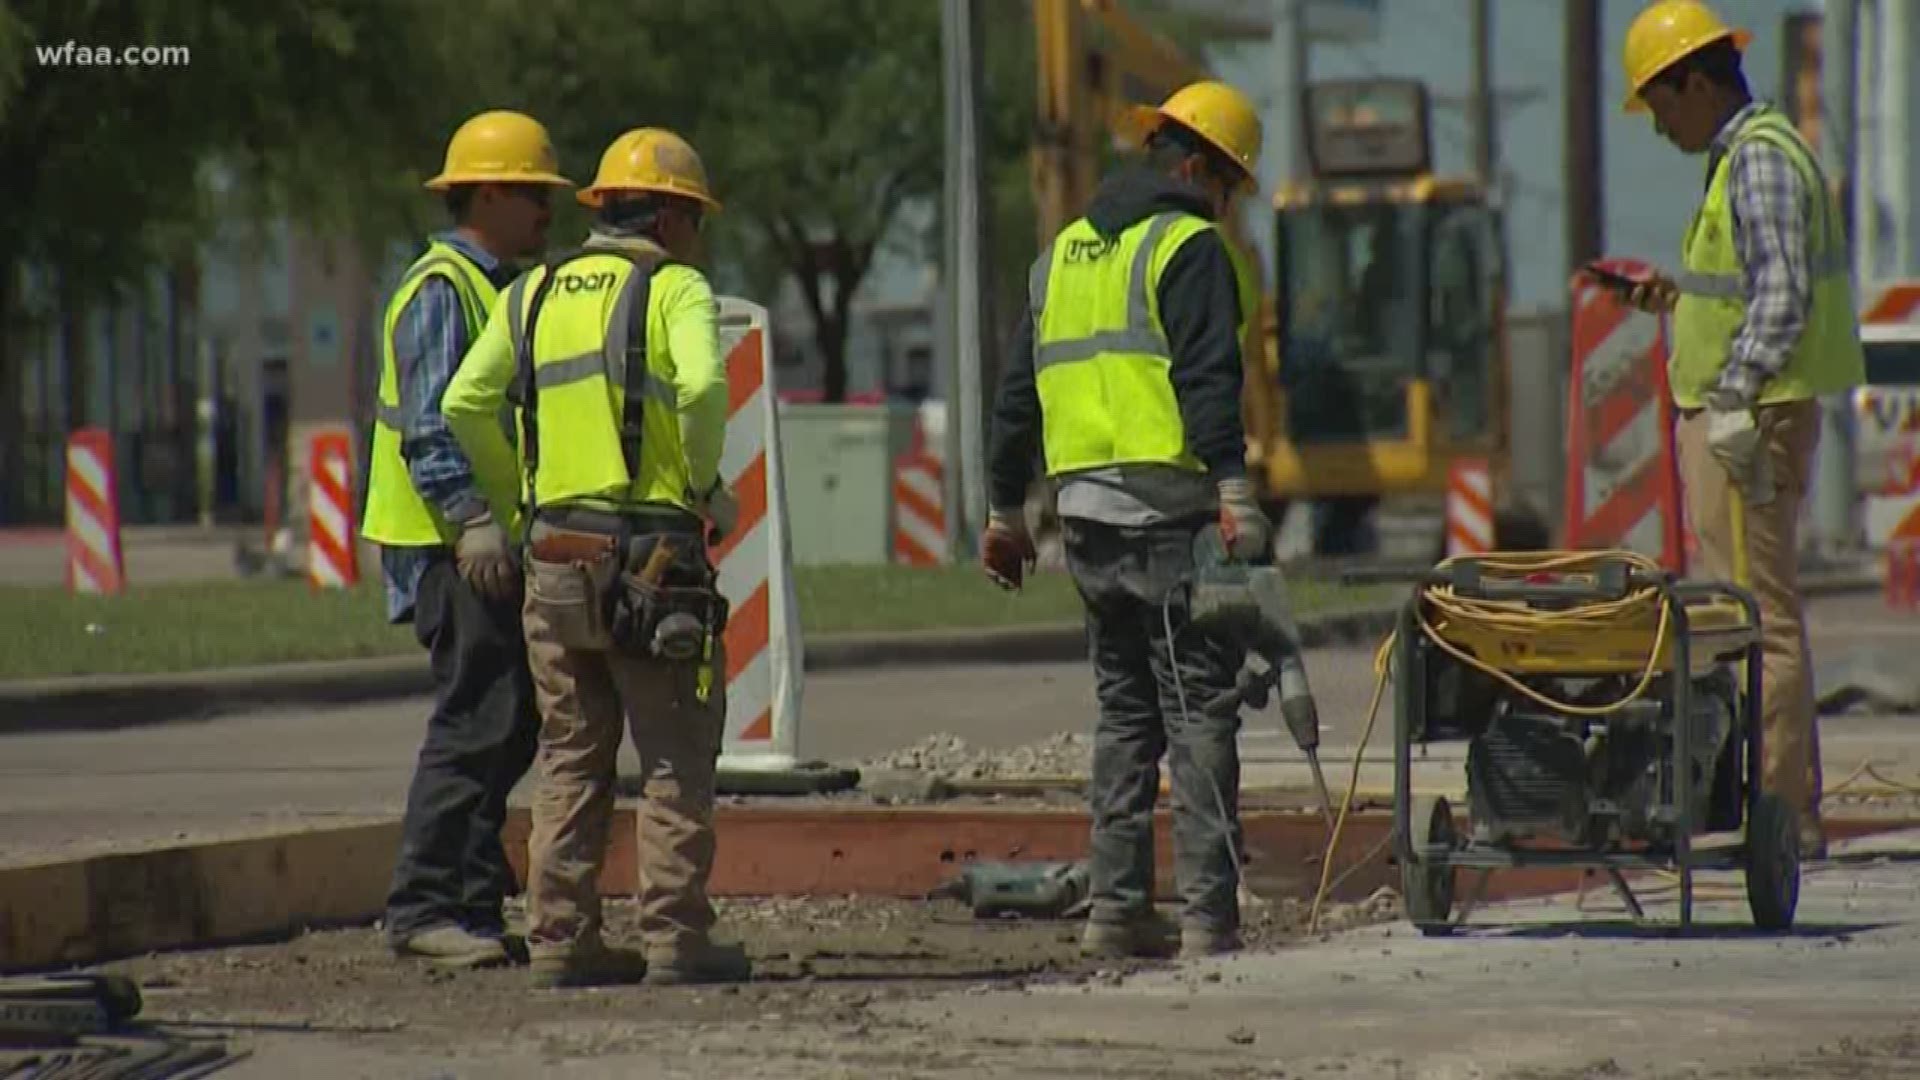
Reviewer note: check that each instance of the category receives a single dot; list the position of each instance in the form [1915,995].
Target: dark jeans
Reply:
[1123,575]
[480,740]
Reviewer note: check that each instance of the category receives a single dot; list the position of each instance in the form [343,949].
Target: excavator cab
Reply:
[1385,351]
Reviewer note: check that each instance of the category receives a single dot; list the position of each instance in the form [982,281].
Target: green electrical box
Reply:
[838,461]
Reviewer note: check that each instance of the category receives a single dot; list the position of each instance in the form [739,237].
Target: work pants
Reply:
[1790,432]
[583,695]
[452,868]
[1123,575]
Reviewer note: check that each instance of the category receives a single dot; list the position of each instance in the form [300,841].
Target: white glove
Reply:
[1733,437]
[482,557]
[722,510]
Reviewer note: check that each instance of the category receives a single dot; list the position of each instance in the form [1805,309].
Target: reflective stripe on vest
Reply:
[1712,286]
[1101,360]
[1140,336]
[396,514]
[580,394]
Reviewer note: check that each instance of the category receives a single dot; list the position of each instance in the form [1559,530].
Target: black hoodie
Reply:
[1200,309]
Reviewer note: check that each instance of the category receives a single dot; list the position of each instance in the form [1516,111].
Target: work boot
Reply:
[452,947]
[585,965]
[697,961]
[1142,936]
[1199,941]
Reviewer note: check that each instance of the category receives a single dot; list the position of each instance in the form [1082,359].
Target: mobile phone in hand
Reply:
[1619,283]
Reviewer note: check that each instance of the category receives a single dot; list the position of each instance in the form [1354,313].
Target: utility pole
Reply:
[966,450]
[1896,87]
[1486,122]
[1586,239]
[1835,497]
[1867,143]
[1289,78]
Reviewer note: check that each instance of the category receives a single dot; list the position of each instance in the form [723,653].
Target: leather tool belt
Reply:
[639,585]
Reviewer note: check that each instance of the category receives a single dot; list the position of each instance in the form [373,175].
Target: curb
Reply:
[271,886]
[108,702]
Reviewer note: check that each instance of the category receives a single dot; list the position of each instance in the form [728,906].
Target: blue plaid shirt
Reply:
[1772,211]
[429,338]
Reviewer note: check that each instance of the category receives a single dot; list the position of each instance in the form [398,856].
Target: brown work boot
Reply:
[697,961]
[452,947]
[1142,936]
[585,965]
[1199,941]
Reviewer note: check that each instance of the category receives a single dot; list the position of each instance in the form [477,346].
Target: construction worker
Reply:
[1124,376]
[445,531]
[612,353]
[1763,324]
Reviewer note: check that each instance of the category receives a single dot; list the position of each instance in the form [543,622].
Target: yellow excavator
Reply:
[1379,358]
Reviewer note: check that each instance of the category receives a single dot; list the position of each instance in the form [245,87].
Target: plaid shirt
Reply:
[1771,211]
[429,338]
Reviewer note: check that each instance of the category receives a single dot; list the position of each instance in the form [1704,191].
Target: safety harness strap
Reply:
[626,348]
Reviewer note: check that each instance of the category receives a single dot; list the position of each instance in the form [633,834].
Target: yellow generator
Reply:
[1611,721]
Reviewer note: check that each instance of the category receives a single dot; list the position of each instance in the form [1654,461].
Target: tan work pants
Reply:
[582,695]
[1790,736]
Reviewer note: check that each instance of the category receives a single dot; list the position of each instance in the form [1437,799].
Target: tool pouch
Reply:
[571,597]
[671,617]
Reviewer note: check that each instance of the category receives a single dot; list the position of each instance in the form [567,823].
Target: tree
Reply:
[829,127]
[313,107]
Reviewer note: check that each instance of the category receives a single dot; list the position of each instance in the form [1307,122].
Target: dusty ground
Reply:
[818,962]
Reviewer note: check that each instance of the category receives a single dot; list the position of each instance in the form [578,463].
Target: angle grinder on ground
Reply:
[1250,603]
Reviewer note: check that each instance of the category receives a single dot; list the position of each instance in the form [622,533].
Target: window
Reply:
[1460,319]
[1352,325]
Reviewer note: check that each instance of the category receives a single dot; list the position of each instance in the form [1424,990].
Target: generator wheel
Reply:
[1773,864]
[1428,888]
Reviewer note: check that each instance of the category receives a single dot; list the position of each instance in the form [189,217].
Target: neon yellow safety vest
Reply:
[1101,361]
[1712,302]
[396,514]
[582,343]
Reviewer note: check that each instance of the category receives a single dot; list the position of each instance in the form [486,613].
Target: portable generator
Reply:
[1611,720]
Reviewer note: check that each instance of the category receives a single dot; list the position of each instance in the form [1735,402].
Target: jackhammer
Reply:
[1249,602]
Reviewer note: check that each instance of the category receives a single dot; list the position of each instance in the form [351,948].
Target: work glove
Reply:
[722,510]
[1657,294]
[1244,527]
[1006,549]
[1733,437]
[482,556]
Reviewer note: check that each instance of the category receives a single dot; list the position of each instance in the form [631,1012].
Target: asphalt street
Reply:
[63,793]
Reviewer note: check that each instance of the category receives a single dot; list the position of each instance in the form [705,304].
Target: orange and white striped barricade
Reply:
[95,563]
[1469,507]
[333,559]
[1622,471]
[764,654]
[1902,544]
[1895,303]
[919,504]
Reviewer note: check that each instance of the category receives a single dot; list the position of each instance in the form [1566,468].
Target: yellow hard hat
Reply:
[1665,33]
[500,147]
[651,159]
[1212,110]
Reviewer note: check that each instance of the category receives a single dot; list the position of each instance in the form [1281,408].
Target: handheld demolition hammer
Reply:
[1249,602]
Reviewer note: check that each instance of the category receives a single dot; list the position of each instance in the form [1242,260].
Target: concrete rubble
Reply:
[950,757]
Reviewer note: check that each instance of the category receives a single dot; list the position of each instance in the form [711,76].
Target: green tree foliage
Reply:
[821,122]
